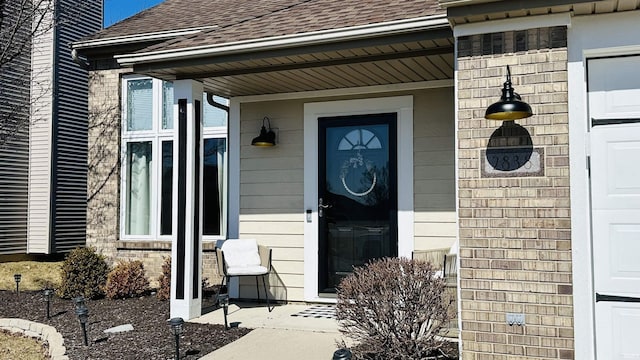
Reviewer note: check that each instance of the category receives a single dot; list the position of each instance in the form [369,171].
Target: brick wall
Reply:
[515,238]
[103,184]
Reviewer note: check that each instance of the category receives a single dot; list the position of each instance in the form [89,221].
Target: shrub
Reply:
[127,279]
[164,291]
[84,272]
[394,309]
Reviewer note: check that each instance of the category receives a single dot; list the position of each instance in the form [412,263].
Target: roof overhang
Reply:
[409,51]
[472,11]
[380,30]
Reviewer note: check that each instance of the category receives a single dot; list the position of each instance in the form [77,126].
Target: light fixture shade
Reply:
[510,107]
[266,137]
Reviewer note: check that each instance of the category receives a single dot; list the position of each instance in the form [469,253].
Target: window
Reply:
[147,145]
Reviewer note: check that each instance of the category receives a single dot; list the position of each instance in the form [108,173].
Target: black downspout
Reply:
[225,108]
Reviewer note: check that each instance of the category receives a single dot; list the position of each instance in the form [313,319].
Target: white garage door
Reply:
[614,108]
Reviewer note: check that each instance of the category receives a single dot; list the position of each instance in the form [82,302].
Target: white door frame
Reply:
[403,106]
[588,36]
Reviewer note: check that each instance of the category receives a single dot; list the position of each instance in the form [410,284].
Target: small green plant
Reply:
[127,279]
[84,272]
[164,291]
[394,309]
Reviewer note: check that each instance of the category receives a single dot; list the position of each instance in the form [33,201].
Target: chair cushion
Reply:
[247,270]
[241,253]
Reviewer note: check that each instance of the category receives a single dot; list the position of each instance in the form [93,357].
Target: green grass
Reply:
[36,275]
[17,347]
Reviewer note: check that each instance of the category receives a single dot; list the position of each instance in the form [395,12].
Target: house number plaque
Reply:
[512,162]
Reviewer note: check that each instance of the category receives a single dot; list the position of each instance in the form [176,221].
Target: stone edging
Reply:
[43,332]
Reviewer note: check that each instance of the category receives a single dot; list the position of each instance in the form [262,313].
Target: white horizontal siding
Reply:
[40,152]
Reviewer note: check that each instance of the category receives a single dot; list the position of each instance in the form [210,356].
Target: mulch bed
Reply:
[150,339]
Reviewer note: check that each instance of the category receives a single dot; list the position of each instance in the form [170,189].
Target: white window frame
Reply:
[156,136]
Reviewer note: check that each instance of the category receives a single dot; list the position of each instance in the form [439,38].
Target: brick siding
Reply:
[103,184]
[515,237]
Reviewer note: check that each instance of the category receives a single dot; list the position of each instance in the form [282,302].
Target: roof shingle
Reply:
[238,20]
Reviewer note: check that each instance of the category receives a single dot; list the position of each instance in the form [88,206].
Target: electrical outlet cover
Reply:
[515,319]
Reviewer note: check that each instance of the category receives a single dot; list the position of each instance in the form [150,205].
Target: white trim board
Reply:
[374,89]
[589,36]
[403,106]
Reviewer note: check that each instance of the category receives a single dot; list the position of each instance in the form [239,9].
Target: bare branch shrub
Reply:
[164,291]
[127,279]
[394,308]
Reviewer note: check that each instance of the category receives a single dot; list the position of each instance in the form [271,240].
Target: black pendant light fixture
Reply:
[510,107]
[266,137]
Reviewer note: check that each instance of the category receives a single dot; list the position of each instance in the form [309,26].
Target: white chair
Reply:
[244,257]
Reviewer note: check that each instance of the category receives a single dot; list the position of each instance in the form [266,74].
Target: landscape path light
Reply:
[83,317]
[223,301]
[48,293]
[79,301]
[17,278]
[342,354]
[177,330]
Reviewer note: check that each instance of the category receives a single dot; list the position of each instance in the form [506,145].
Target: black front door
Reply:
[357,194]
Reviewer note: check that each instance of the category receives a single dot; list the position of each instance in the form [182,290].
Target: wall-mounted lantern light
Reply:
[266,137]
[510,107]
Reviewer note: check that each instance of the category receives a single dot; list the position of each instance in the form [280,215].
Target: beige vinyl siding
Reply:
[434,169]
[272,191]
[42,57]
[271,194]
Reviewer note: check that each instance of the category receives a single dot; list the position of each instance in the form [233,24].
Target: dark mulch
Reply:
[150,339]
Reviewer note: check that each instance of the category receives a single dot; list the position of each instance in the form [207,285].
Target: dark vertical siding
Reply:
[14,137]
[69,168]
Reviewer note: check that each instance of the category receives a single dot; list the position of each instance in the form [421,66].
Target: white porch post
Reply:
[186,242]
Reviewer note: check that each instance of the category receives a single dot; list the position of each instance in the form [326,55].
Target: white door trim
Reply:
[588,36]
[403,106]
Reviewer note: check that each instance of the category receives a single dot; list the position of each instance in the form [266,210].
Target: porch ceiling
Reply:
[494,10]
[376,62]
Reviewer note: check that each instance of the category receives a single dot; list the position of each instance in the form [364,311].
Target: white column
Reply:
[186,249]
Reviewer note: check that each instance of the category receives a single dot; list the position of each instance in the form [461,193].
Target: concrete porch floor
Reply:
[277,335]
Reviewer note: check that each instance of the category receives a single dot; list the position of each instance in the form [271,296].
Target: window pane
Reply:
[214,200]
[212,115]
[167,105]
[139,104]
[167,188]
[138,210]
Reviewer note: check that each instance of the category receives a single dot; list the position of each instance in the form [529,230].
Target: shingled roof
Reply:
[237,20]
[173,15]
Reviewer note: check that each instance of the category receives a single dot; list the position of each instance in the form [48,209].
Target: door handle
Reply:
[321,207]
[614,298]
